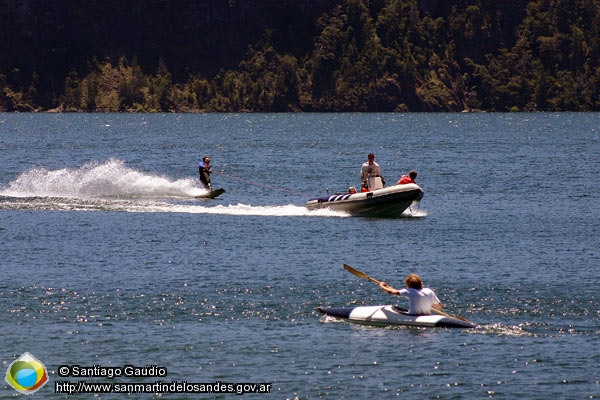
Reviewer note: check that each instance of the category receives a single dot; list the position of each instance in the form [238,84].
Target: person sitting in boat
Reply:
[352,190]
[205,171]
[370,170]
[410,178]
[420,299]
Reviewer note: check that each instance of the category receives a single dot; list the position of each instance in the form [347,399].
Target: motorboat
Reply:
[388,202]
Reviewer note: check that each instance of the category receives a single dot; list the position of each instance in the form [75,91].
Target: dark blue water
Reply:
[107,259]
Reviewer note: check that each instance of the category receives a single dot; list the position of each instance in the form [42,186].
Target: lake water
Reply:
[107,259]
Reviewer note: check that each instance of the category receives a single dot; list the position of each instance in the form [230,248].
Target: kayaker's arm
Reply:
[388,289]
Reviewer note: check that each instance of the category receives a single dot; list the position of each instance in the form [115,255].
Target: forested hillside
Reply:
[302,55]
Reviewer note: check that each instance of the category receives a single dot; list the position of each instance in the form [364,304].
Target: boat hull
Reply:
[390,315]
[389,202]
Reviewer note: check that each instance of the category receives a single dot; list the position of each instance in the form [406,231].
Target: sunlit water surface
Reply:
[108,259]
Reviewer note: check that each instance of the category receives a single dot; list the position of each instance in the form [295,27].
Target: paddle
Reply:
[362,275]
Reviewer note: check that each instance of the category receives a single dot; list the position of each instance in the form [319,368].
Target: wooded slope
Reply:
[310,55]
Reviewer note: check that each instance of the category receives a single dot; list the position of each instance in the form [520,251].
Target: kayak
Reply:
[390,315]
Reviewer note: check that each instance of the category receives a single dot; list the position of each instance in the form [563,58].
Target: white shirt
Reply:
[369,169]
[420,301]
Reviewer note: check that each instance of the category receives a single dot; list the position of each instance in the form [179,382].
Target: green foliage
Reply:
[22,100]
[266,81]
[372,55]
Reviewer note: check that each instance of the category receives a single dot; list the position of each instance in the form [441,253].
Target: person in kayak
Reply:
[205,171]
[420,299]
[410,178]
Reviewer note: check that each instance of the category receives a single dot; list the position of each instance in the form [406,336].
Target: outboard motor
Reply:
[374,182]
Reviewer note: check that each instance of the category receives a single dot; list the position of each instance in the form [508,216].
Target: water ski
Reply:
[211,195]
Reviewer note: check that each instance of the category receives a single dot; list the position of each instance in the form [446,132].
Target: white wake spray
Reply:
[109,179]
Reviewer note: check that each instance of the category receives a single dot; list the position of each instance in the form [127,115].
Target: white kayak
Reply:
[390,315]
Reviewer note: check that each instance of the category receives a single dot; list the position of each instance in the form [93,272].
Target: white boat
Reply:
[390,315]
[388,202]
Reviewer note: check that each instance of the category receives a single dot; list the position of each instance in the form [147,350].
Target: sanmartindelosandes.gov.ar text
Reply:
[218,387]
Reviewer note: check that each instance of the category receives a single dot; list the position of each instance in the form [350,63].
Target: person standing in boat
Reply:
[420,299]
[205,171]
[410,178]
[370,169]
